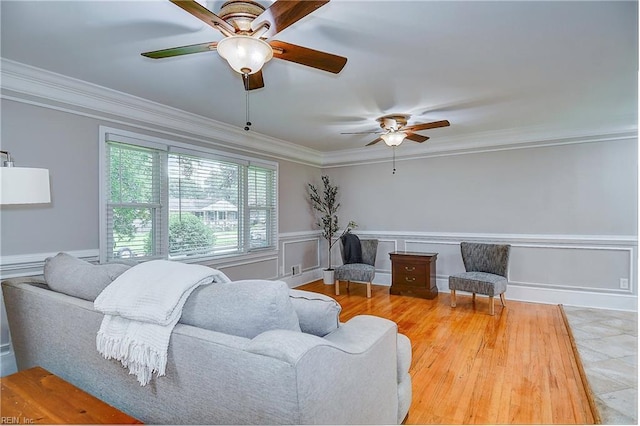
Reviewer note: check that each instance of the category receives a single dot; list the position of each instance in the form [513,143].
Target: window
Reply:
[164,200]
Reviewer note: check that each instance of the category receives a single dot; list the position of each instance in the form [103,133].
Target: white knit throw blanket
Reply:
[141,307]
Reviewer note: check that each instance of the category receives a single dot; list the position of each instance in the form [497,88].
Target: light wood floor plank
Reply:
[468,367]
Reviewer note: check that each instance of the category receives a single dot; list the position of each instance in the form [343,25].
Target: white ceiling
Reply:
[490,68]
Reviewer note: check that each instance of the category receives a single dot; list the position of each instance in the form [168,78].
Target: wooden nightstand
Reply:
[413,274]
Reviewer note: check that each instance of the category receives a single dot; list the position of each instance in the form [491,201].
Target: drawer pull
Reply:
[409,268]
[410,279]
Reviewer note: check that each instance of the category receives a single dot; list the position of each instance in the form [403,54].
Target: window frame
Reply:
[169,147]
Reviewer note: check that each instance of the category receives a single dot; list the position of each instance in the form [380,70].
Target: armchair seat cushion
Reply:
[478,282]
[355,272]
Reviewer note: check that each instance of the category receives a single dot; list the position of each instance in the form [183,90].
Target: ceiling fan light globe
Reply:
[245,54]
[393,138]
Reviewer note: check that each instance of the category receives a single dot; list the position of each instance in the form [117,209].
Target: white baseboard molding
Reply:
[550,296]
[305,277]
[553,296]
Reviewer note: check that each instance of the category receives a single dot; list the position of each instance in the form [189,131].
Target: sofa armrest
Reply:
[354,337]
[36,280]
[360,333]
[347,377]
[285,345]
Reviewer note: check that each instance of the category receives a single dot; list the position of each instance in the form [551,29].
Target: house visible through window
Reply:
[167,201]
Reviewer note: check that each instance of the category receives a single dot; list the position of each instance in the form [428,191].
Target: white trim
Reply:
[554,296]
[304,278]
[502,140]
[299,234]
[36,86]
[584,299]
[303,237]
[457,237]
[167,147]
[23,265]
[105,103]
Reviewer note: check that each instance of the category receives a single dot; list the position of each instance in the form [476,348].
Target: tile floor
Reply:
[607,342]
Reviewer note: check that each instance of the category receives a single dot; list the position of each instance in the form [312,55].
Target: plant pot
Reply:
[328,276]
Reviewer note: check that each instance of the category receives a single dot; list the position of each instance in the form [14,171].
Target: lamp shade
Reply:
[24,185]
[245,54]
[393,138]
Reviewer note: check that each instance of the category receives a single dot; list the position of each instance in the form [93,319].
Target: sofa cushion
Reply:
[75,277]
[242,308]
[318,314]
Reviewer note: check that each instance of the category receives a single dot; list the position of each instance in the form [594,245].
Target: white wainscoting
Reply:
[579,270]
[301,249]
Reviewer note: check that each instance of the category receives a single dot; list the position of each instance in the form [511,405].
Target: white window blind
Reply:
[181,204]
[134,207]
[261,197]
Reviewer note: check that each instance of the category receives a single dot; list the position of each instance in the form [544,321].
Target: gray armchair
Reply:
[486,266]
[358,272]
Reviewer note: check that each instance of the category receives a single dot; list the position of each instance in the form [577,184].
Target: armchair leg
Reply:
[338,287]
[491,306]
[473,298]
[504,303]
[453,298]
[369,290]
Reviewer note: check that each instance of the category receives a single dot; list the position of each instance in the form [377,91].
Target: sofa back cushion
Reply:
[75,277]
[242,308]
[318,314]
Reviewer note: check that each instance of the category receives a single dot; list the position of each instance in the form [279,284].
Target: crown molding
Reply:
[501,140]
[78,95]
[48,89]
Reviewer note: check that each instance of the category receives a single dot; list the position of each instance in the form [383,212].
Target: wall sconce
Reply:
[22,185]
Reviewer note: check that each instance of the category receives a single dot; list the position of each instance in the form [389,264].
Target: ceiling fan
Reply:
[395,130]
[245,26]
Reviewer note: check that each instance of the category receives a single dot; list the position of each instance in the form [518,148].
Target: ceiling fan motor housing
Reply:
[239,14]
[393,122]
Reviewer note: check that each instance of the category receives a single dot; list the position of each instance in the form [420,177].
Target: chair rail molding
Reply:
[583,270]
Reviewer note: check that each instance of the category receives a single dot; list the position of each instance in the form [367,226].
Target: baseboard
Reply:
[305,277]
[553,296]
[550,296]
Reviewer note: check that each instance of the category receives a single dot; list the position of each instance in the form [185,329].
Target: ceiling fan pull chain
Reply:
[247,107]
[394,159]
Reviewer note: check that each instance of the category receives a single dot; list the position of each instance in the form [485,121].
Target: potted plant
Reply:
[327,207]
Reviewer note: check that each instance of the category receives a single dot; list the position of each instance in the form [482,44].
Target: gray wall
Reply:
[67,145]
[581,189]
[570,213]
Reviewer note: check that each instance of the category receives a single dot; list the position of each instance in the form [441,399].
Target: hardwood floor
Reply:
[468,367]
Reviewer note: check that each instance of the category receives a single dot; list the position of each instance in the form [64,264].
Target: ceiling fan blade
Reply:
[417,138]
[203,14]
[253,81]
[284,13]
[182,50]
[424,126]
[374,142]
[309,57]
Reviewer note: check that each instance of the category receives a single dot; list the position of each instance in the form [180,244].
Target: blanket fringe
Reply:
[141,360]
